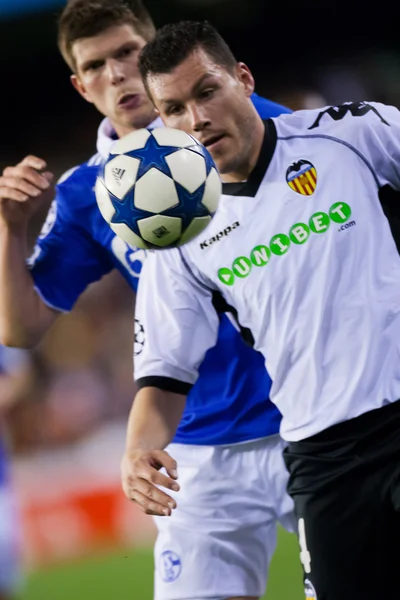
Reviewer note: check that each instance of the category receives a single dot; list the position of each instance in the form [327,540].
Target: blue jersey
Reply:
[229,402]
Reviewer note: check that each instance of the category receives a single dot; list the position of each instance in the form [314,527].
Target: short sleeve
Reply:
[379,142]
[175,323]
[67,258]
[372,129]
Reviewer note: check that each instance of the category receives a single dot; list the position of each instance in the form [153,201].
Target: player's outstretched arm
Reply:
[154,418]
[175,324]
[24,317]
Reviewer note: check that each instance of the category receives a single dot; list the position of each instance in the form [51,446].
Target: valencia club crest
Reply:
[301,177]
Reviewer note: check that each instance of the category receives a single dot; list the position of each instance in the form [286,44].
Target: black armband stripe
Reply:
[165,383]
[221,306]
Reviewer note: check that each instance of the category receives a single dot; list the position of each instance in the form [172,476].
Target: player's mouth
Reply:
[213,141]
[129,101]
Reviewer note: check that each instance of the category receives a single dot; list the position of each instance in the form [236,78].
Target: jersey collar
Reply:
[250,187]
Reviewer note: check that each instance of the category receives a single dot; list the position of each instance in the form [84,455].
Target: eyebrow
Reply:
[195,89]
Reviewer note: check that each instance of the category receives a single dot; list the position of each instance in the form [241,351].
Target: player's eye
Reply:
[207,93]
[125,52]
[174,110]
[94,66]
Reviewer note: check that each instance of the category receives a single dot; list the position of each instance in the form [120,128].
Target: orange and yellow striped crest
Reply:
[301,177]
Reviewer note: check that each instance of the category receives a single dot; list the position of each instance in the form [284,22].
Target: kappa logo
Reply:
[309,590]
[118,174]
[219,236]
[356,109]
[301,177]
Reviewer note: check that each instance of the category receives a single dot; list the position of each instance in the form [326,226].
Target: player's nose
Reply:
[115,72]
[199,118]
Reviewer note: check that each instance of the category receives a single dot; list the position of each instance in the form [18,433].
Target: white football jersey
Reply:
[305,253]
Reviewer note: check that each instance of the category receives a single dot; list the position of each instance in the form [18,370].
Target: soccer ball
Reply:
[158,188]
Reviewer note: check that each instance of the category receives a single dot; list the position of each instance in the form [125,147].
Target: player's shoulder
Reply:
[268,108]
[163,263]
[168,257]
[81,174]
[77,184]
[343,121]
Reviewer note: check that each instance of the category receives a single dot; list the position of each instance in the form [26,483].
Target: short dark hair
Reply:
[173,44]
[86,18]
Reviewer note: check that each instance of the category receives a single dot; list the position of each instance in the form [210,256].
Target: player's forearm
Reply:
[154,418]
[24,318]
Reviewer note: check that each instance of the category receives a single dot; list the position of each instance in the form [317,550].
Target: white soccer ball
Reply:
[158,188]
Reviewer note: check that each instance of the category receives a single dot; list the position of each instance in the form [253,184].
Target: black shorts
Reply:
[345,482]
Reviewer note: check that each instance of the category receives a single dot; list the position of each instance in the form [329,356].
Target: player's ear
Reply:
[80,88]
[246,78]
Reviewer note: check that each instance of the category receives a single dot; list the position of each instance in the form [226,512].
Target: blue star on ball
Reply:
[125,211]
[190,205]
[152,155]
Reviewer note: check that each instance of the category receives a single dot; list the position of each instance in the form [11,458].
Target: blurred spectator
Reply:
[80,376]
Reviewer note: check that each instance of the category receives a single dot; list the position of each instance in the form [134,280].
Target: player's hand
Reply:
[23,188]
[141,477]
